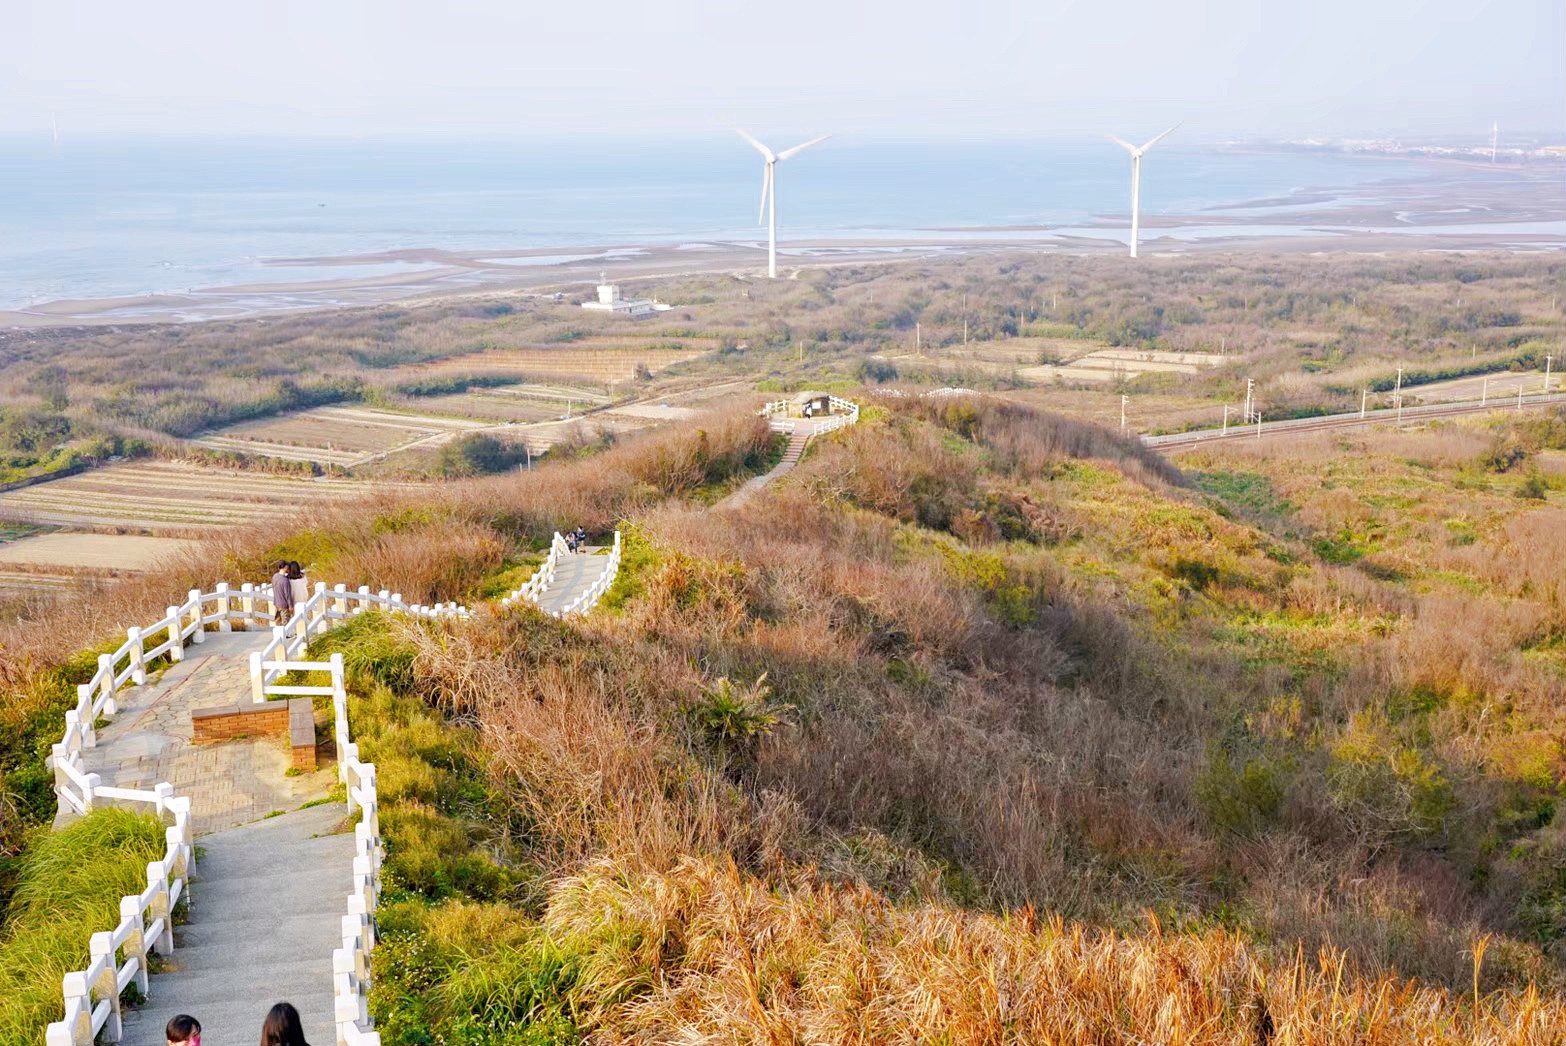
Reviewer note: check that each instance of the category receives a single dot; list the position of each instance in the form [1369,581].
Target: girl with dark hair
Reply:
[282,1027]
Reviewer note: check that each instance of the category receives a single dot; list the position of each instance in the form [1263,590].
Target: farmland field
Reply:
[92,551]
[512,403]
[330,435]
[597,359]
[1116,364]
[1506,383]
[169,498]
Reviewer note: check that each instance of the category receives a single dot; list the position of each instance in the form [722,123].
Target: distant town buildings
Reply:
[1484,151]
[609,300]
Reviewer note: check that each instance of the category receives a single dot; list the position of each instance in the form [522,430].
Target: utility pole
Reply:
[1484,391]
[1397,392]
[965,321]
[1364,395]
[1258,424]
[917,350]
[1225,419]
[1547,361]
[1250,385]
[1123,399]
[802,350]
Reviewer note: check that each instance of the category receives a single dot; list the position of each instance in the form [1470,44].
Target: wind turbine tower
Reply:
[1136,152]
[769,193]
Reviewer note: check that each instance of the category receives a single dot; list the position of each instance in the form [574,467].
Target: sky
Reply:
[689,68]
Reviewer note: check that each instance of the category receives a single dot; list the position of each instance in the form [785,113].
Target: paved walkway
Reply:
[574,575]
[791,456]
[268,892]
[266,911]
[229,784]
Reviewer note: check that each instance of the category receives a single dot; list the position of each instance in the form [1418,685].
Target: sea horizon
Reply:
[112,216]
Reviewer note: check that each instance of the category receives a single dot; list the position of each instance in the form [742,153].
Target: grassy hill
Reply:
[986,726]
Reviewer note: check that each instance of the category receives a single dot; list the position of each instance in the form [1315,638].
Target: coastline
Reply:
[1454,208]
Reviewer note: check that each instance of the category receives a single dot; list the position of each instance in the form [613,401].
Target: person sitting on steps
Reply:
[183,1030]
[282,1027]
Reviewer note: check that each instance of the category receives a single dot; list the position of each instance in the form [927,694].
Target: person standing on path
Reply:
[298,583]
[282,596]
[282,1027]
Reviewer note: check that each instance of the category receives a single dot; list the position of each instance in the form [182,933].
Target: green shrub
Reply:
[478,454]
[1533,486]
[1238,796]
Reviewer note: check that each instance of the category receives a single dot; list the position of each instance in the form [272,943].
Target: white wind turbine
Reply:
[1136,152]
[769,192]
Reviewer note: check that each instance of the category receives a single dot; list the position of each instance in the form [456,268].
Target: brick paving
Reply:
[230,783]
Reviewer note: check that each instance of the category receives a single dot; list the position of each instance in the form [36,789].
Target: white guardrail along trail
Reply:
[119,956]
[545,577]
[780,417]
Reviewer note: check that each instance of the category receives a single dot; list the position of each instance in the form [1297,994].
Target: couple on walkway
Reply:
[290,587]
[281,1028]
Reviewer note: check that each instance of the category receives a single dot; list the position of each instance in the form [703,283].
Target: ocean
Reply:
[115,216]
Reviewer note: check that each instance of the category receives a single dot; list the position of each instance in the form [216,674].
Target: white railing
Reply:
[92,996]
[351,962]
[594,592]
[543,577]
[77,790]
[844,412]
[534,588]
[321,611]
[250,606]
[119,956]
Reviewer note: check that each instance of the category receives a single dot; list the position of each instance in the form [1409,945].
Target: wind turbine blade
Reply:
[762,149]
[1127,146]
[1166,134]
[786,153]
[766,183]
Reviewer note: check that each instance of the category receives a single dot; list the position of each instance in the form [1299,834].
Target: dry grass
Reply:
[725,958]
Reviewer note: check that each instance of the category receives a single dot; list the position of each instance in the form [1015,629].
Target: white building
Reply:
[609,300]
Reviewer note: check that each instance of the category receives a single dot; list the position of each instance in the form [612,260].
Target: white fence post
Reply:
[224,625]
[158,879]
[76,990]
[176,641]
[101,948]
[364,599]
[136,941]
[322,608]
[340,598]
[199,634]
[138,658]
[247,604]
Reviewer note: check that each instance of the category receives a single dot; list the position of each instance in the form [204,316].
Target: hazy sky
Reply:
[695,67]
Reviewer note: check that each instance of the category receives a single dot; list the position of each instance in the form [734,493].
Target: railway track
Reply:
[1176,441]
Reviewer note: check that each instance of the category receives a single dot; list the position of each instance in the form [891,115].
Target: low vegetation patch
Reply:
[68,884]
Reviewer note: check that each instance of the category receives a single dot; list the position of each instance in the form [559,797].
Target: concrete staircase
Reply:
[797,442]
[574,575]
[266,911]
[792,454]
